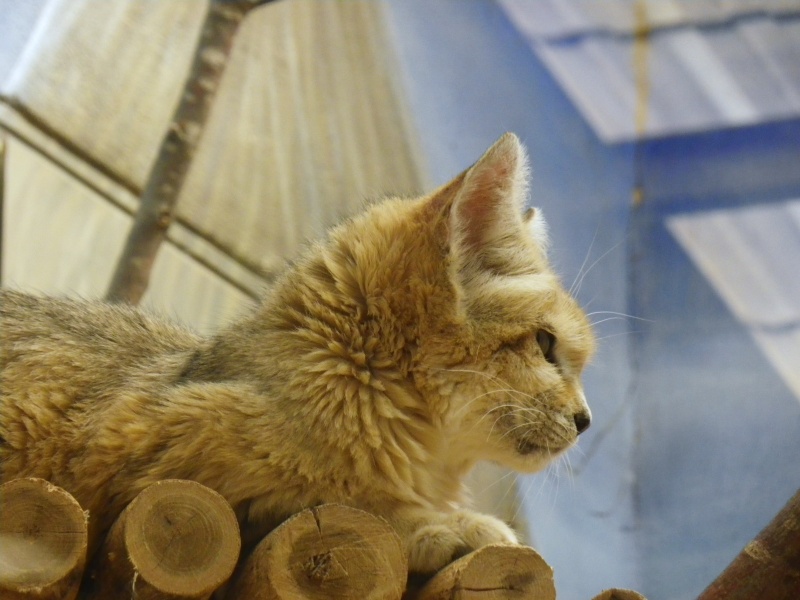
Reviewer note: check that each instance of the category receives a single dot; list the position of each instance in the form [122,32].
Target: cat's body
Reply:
[420,337]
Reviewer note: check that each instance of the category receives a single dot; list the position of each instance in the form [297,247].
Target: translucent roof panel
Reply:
[750,257]
[651,69]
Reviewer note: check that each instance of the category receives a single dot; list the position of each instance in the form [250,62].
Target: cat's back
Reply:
[69,336]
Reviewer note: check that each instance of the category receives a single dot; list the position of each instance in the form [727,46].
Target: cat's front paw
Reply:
[435,545]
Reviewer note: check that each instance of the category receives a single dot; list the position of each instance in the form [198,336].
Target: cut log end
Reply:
[496,572]
[327,552]
[181,535]
[175,539]
[43,540]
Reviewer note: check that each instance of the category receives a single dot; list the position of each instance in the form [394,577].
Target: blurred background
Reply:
[664,138]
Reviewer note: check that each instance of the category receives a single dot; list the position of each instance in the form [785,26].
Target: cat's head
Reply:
[450,297]
[502,344]
[507,354]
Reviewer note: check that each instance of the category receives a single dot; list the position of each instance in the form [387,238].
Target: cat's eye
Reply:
[547,344]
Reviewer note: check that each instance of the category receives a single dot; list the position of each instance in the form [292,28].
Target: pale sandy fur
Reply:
[380,367]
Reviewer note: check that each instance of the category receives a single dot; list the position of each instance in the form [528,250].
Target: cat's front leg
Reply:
[434,539]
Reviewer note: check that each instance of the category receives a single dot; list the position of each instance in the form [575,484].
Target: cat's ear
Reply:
[488,204]
[488,229]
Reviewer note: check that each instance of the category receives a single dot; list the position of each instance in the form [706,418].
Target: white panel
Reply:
[751,257]
[710,72]
[717,48]
[782,348]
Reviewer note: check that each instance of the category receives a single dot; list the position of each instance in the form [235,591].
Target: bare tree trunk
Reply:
[769,567]
[157,208]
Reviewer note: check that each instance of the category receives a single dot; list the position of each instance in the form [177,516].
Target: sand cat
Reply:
[419,337]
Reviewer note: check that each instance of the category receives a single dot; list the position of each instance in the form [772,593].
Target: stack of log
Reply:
[180,540]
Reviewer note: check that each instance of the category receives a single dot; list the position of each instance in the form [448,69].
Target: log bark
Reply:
[493,573]
[176,539]
[327,552]
[160,195]
[769,567]
[43,538]
[618,594]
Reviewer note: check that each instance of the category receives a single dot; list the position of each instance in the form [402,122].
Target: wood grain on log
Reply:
[176,539]
[43,539]
[493,573]
[327,552]
[769,567]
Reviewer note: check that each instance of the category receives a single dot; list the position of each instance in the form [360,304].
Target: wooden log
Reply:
[176,539]
[43,537]
[493,572]
[769,567]
[327,552]
[619,594]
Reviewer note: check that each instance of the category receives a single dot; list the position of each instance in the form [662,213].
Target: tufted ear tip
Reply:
[507,142]
[537,227]
[506,152]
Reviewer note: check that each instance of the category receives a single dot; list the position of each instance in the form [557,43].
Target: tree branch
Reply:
[769,567]
[157,208]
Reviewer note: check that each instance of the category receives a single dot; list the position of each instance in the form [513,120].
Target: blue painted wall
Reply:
[695,441]
[718,433]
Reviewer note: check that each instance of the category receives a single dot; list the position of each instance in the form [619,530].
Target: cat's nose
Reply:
[582,421]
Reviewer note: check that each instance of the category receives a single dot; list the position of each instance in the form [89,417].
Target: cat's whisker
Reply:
[576,449]
[577,287]
[616,316]
[514,478]
[585,260]
[615,319]
[524,409]
[524,495]
[591,301]
[498,480]
[497,420]
[613,335]
[509,488]
[565,460]
[536,411]
[491,429]
[512,429]
[463,409]
[489,376]
[514,407]
[555,494]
